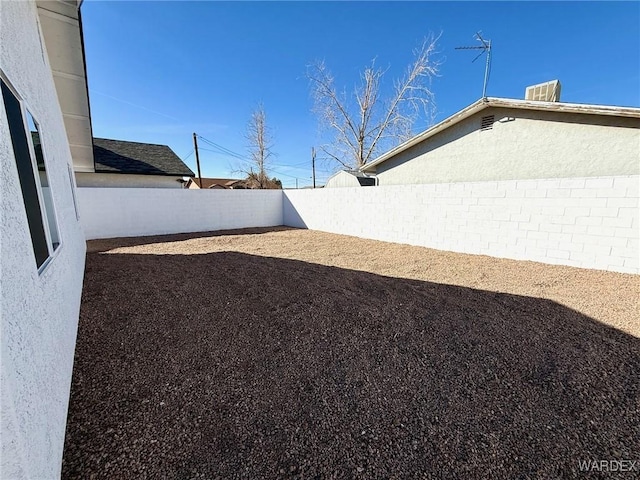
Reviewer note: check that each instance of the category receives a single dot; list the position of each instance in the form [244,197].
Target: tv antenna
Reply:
[485,47]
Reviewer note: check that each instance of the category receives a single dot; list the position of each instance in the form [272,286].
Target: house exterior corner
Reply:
[41,287]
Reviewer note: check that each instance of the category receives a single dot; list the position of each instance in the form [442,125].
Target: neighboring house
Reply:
[505,139]
[120,163]
[350,178]
[232,183]
[44,96]
[217,183]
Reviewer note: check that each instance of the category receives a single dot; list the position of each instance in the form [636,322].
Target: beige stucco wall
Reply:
[523,144]
[115,180]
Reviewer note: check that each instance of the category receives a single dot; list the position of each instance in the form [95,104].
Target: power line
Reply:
[288,166]
[223,149]
[285,175]
[228,154]
[226,151]
[299,164]
[222,153]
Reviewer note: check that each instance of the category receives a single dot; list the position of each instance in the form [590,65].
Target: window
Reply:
[32,173]
[45,188]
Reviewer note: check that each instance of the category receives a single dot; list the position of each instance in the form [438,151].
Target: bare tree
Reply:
[260,145]
[363,127]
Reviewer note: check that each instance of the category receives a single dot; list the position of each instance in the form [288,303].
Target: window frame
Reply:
[36,171]
[47,217]
[73,192]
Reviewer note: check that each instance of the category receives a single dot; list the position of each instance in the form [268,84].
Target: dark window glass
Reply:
[25,173]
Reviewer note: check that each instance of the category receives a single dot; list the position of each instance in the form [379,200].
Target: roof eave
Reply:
[606,110]
[483,103]
[157,174]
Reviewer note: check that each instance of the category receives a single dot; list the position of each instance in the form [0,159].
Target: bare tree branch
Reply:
[335,157]
[260,151]
[363,126]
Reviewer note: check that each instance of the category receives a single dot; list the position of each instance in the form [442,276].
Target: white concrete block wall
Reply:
[582,222]
[129,212]
[590,222]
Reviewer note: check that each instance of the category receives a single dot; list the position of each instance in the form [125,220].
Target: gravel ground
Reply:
[283,353]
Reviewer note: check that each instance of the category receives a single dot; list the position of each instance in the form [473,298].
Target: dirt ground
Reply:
[284,353]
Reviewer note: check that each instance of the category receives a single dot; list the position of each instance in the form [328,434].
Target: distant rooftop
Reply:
[217,182]
[120,156]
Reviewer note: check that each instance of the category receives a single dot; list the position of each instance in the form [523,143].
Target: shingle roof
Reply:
[119,156]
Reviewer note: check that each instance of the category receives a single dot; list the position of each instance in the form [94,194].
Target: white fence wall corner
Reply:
[588,222]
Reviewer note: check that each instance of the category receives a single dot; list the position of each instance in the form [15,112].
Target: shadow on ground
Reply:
[229,365]
[103,245]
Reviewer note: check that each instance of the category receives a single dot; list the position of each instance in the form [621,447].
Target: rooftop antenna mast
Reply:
[485,47]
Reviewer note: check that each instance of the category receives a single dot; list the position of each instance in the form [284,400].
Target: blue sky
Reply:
[159,71]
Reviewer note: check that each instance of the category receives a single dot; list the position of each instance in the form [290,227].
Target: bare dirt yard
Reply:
[284,353]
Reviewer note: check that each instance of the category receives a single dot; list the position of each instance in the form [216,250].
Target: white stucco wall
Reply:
[39,313]
[117,180]
[588,222]
[532,145]
[130,212]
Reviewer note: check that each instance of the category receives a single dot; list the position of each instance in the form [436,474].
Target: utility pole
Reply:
[195,146]
[313,165]
[296,183]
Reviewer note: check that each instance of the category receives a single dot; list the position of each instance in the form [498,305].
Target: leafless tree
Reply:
[364,123]
[260,150]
